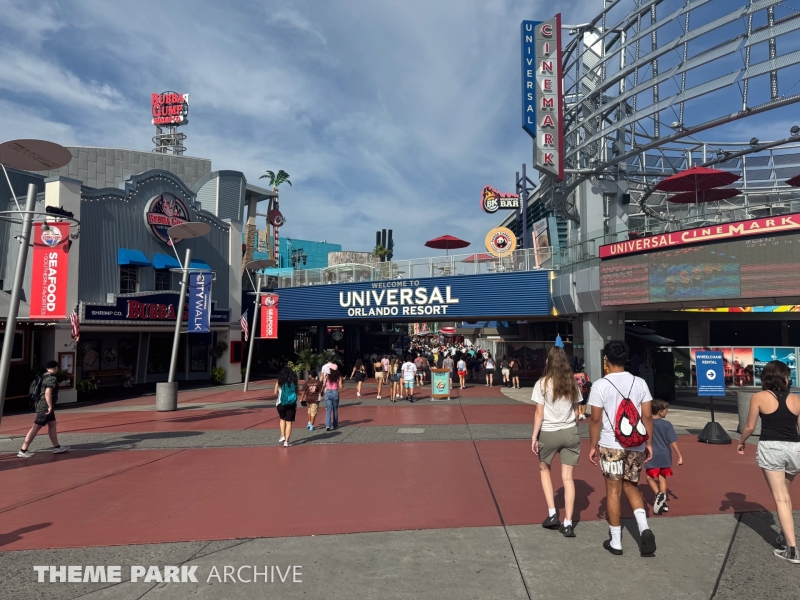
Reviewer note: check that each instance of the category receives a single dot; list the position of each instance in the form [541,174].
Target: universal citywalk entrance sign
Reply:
[542,94]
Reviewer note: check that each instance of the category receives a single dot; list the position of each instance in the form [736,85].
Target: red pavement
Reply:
[148,496]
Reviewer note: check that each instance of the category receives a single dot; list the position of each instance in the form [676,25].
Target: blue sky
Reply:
[389,113]
[386,114]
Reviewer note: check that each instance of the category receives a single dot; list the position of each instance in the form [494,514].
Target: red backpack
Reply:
[628,427]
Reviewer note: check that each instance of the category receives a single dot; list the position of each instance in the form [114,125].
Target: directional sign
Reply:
[710,374]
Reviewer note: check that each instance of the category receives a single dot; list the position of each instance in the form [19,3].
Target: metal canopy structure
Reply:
[644,77]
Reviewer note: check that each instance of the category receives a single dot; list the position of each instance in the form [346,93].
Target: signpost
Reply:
[710,373]
[440,384]
[254,265]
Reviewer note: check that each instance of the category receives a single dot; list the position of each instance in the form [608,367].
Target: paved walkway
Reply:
[423,500]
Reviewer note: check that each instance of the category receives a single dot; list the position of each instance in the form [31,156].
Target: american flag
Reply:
[74,325]
[243,321]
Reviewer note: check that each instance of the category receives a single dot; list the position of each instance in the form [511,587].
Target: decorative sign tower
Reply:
[542,94]
[170,110]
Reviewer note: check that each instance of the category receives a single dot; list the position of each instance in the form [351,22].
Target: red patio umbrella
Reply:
[794,181]
[696,178]
[447,243]
[712,195]
[479,258]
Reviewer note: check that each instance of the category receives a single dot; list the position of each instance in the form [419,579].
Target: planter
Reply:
[743,402]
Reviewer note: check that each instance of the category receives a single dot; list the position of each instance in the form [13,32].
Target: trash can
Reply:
[743,402]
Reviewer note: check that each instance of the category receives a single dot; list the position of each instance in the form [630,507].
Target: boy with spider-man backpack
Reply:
[621,433]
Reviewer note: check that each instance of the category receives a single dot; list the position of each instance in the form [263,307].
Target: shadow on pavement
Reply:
[582,492]
[16,535]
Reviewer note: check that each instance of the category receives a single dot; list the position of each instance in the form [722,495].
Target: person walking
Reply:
[395,378]
[286,389]
[778,452]
[359,374]
[310,398]
[505,370]
[488,365]
[462,371]
[449,364]
[621,434]
[379,375]
[409,370]
[333,383]
[45,412]
[665,440]
[419,362]
[513,366]
[585,385]
[555,431]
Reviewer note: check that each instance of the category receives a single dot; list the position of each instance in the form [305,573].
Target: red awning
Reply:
[696,178]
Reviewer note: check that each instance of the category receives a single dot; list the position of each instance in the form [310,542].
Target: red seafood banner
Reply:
[49,272]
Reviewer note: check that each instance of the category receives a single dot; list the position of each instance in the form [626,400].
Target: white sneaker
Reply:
[283,439]
[24,454]
[661,499]
[60,449]
[357,394]
[286,444]
[378,398]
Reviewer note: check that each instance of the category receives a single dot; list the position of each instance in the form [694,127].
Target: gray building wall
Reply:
[110,167]
[112,219]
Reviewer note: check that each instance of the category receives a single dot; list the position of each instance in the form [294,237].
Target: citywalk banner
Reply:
[542,93]
[49,272]
[269,316]
[200,302]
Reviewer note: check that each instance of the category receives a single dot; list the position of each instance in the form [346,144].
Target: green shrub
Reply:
[217,375]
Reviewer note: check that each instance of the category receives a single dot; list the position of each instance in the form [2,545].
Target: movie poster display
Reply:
[743,365]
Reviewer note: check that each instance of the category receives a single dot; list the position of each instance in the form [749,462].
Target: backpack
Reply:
[288,395]
[629,429]
[34,392]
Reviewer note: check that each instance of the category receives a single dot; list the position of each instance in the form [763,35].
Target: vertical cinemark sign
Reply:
[542,93]
[269,316]
[49,272]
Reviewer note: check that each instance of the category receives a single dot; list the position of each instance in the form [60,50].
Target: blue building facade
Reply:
[316,253]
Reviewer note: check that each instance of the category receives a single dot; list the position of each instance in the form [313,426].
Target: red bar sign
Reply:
[269,316]
[49,272]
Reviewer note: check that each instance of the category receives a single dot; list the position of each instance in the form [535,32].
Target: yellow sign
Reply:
[501,241]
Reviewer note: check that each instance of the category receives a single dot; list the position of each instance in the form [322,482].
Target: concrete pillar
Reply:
[598,329]
[66,193]
[590,207]
[233,372]
[699,333]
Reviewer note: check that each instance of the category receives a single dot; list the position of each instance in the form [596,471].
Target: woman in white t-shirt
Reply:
[555,431]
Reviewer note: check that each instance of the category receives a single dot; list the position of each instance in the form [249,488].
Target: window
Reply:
[163,280]
[18,348]
[128,279]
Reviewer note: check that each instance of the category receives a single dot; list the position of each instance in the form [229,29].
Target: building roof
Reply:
[5,304]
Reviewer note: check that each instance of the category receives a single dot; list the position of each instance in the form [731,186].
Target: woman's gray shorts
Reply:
[564,442]
[779,456]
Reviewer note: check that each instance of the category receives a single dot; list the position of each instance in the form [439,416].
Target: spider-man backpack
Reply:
[628,427]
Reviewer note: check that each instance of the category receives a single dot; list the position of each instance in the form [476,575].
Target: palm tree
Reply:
[275,180]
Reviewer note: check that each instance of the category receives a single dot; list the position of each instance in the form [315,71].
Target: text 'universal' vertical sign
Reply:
[542,93]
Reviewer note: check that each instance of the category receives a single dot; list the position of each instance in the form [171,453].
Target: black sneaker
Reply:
[658,505]
[648,543]
[327,429]
[781,541]
[789,553]
[551,523]
[567,531]
[665,508]
[607,545]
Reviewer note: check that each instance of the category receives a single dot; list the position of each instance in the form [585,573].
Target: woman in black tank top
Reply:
[778,452]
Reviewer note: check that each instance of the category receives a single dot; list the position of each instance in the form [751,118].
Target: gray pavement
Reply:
[699,557]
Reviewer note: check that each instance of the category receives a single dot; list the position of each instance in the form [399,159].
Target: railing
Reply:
[416,268]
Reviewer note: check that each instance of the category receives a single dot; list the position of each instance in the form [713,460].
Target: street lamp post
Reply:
[254,266]
[16,292]
[167,392]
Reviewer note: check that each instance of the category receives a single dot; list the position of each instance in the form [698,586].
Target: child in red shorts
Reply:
[659,467]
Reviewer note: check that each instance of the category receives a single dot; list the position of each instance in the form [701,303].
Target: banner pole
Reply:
[253,331]
[176,340]
[16,292]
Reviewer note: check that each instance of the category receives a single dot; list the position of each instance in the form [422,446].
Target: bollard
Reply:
[167,396]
